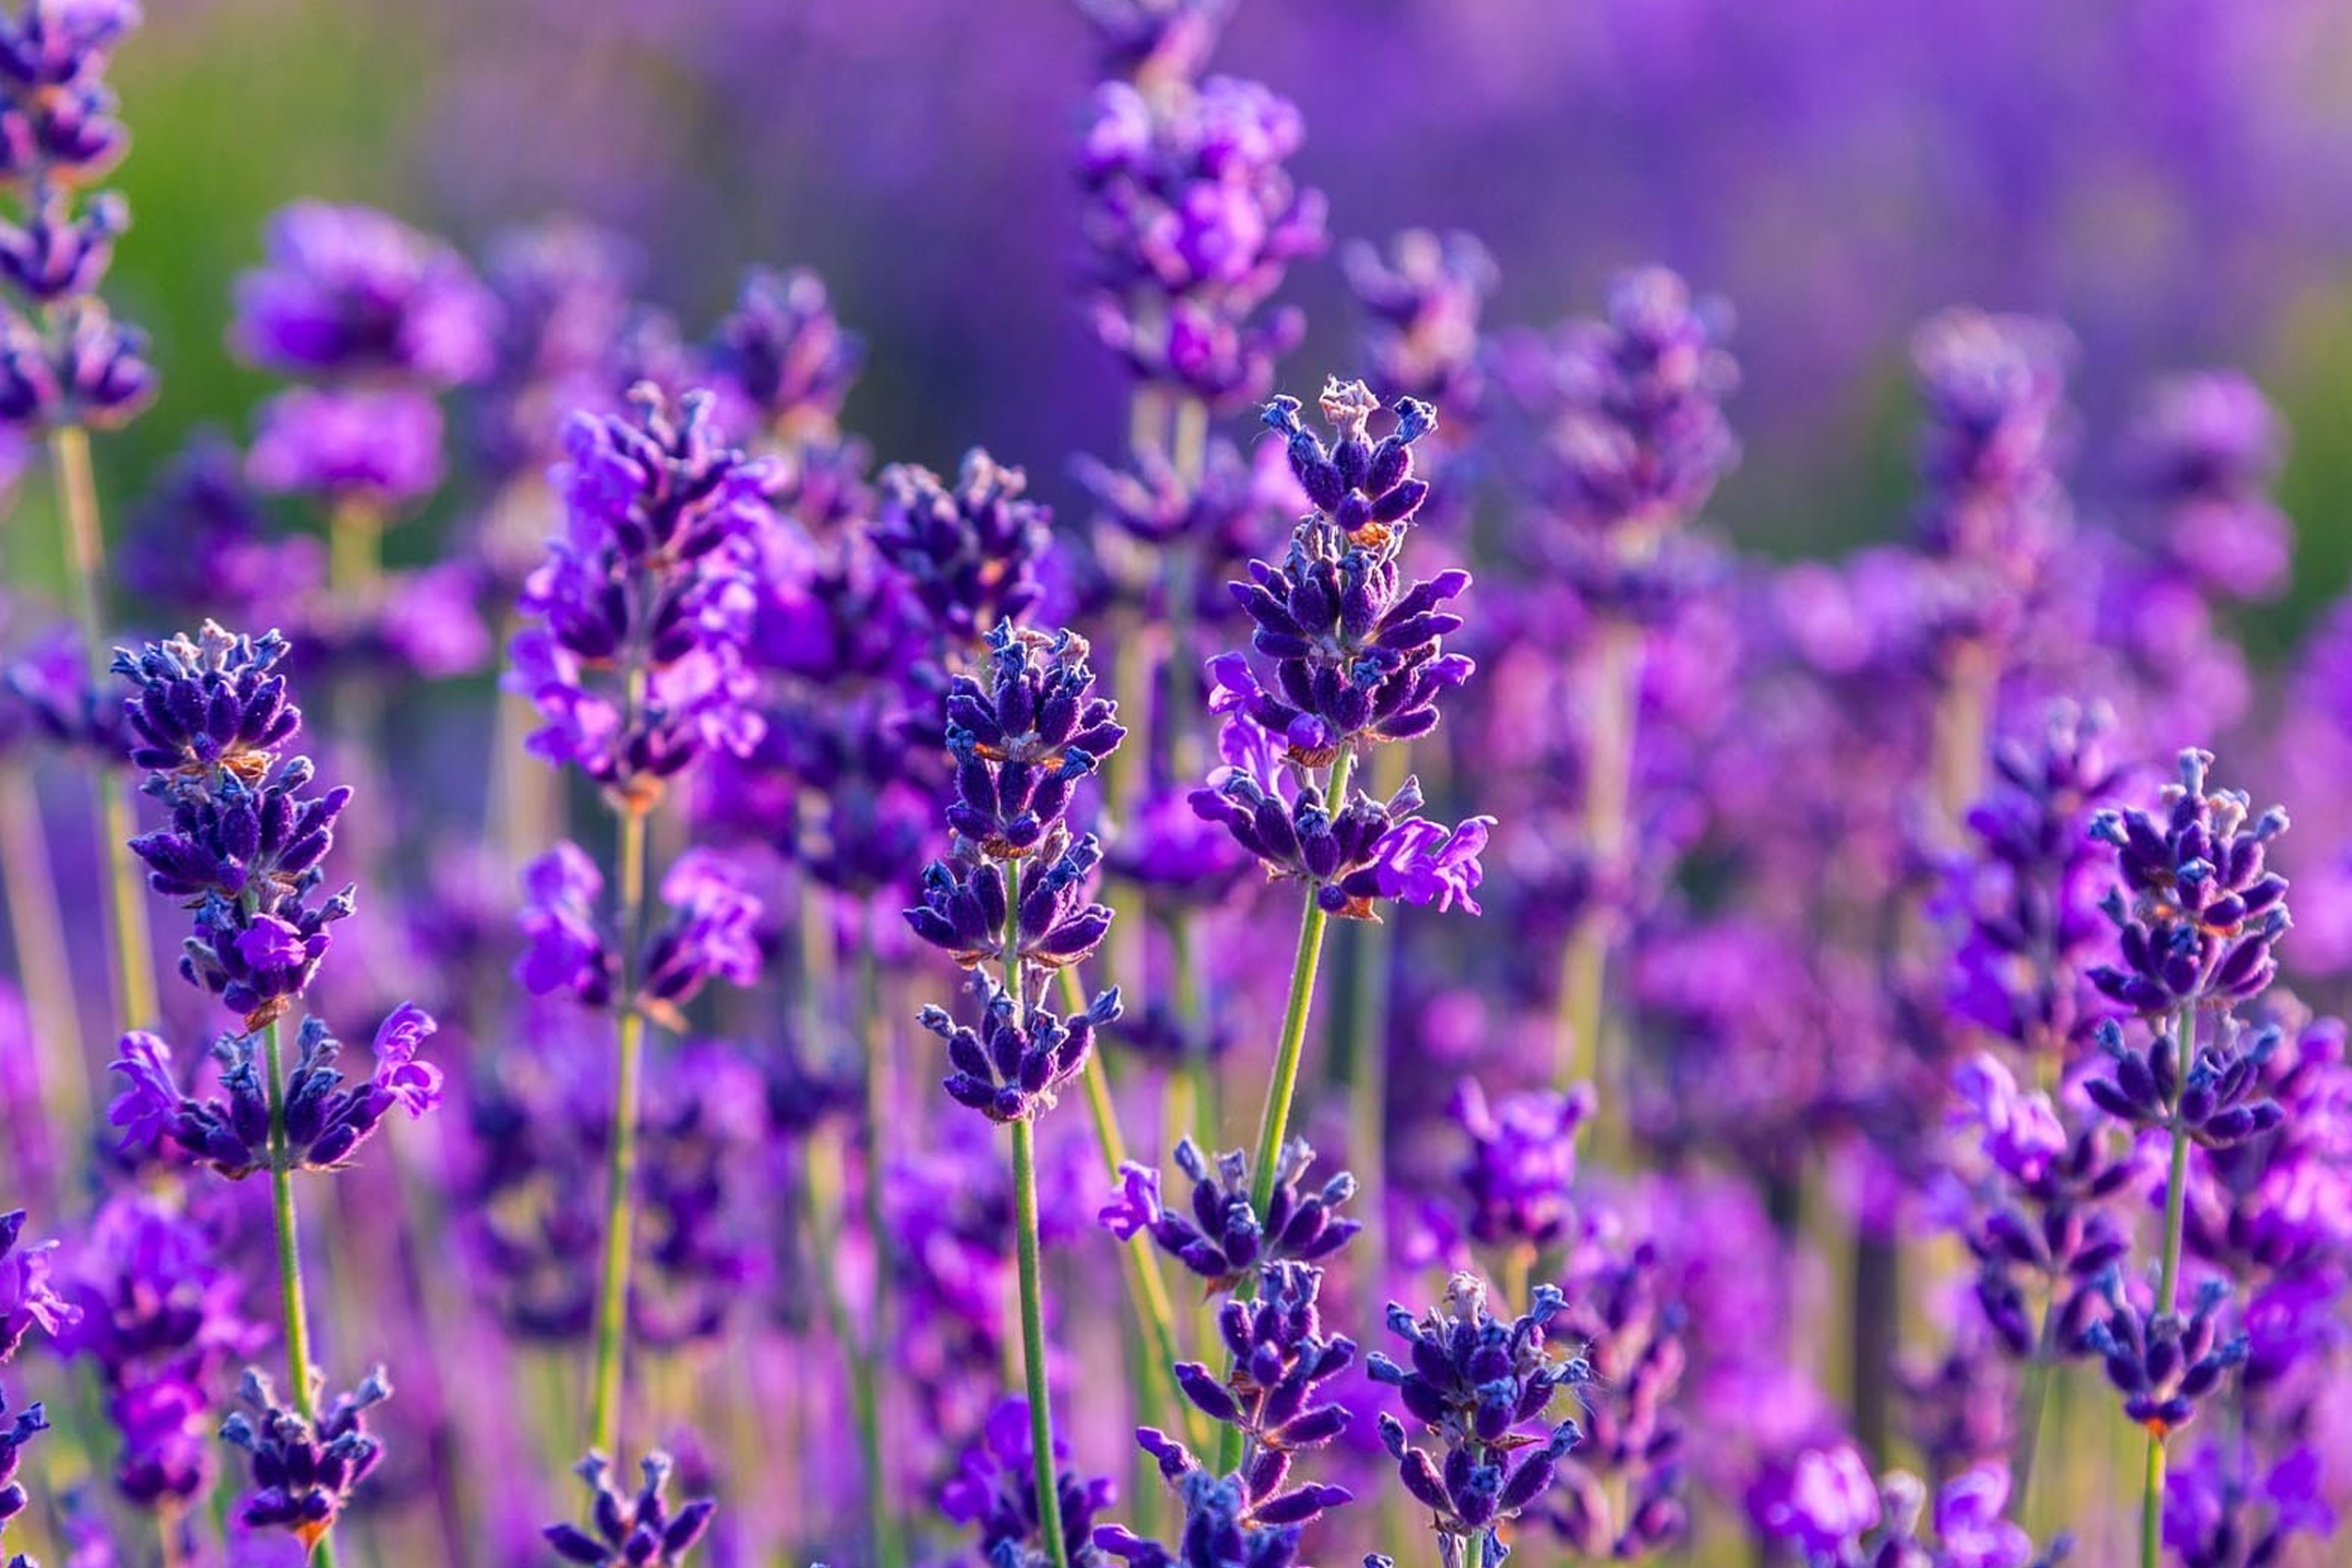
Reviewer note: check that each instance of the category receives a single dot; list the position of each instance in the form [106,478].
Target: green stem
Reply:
[1608,796]
[136,1005]
[2168,1297]
[1033,1342]
[2033,1399]
[1275,1124]
[822,1157]
[37,928]
[874,1413]
[1025,1232]
[620,1195]
[1147,1285]
[291,1309]
[1475,1549]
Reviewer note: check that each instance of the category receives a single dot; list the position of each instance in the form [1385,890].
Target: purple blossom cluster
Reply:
[881,1105]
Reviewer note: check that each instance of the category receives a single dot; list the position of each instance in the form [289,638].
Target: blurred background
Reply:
[2171,177]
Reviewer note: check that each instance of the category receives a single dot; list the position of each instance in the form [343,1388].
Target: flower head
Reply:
[1019,1060]
[1219,1234]
[2197,906]
[637,1530]
[28,1299]
[352,292]
[1021,734]
[304,1471]
[995,1493]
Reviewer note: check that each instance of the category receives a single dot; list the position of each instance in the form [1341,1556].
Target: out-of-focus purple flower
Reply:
[632,1531]
[781,359]
[89,369]
[1997,425]
[567,950]
[1192,222]
[1474,1381]
[2201,456]
[161,1321]
[2018,1131]
[1521,1164]
[304,1472]
[2029,886]
[2197,906]
[376,447]
[1157,42]
[350,291]
[635,645]
[1425,296]
[970,550]
[1819,1500]
[1168,848]
[2219,1515]
[994,1494]
[1219,1233]
[1621,1492]
[1635,437]
[28,1299]
[713,930]
[51,43]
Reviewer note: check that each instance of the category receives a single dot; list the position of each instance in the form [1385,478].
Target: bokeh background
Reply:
[2171,177]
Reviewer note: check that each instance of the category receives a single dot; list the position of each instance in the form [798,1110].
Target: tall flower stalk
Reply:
[1021,731]
[633,651]
[67,366]
[2198,914]
[244,849]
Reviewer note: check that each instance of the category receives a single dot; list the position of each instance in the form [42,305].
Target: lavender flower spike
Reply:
[639,1531]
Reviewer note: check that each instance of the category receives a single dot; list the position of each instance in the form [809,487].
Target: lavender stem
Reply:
[135,1006]
[620,1206]
[2168,1297]
[291,1304]
[1608,790]
[42,964]
[1025,1233]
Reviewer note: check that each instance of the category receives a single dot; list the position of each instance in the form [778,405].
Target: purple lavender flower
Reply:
[1220,1235]
[1221,1527]
[2163,1363]
[567,950]
[2216,1103]
[1368,851]
[89,369]
[995,1493]
[713,932]
[2027,890]
[1357,651]
[969,550]
[965,907]
[1021,736]
[1474,1380]
[29,1300]
[375,447]
[2200,455]
[782,358]
[304,1472]
[2197,908]
[1020,1059]
[639,1531]
[639,619]
[2221,1513]
[1818,1501]
[1996,428]
[1193,221]
[1639,440]
[244,845]
[1521,1164]
[161,1321]
[1622,1489]
[1425,296]
[325,1121]
[28,1423]
[350,291]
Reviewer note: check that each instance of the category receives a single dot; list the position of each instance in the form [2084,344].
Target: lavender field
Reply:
[1175,783]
